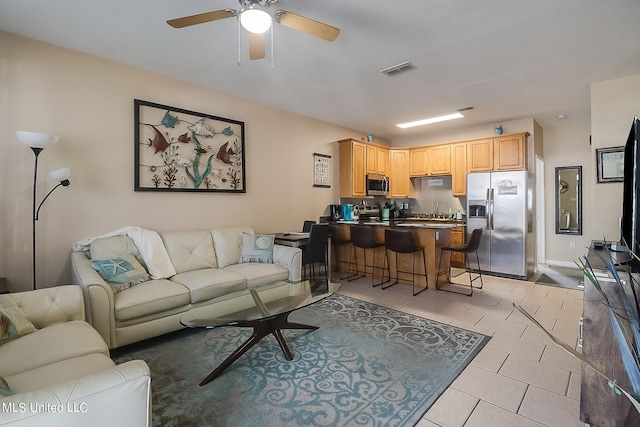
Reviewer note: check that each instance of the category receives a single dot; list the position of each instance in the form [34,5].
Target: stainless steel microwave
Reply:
[377,185]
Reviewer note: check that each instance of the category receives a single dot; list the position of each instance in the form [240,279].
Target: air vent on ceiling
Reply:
[397,69]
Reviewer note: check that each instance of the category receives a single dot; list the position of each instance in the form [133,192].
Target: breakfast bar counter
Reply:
[430,235]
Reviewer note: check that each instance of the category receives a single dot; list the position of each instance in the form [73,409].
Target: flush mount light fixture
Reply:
[430,120]
[255,19]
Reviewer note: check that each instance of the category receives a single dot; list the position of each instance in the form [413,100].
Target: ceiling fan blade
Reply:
[201,18]
[307,25]
[256,46]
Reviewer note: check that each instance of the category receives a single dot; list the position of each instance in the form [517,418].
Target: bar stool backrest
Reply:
[400,241]
[474,241]
[362,236]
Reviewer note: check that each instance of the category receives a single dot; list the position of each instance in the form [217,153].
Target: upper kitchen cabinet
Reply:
[419,161]
[377,160]
[459,169]
[353,157]
[440,159]
[506,152]
[399,182]
[509,152]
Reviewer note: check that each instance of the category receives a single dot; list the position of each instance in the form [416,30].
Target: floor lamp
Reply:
[38,142]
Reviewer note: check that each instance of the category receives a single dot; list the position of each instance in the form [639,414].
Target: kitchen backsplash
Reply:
[429,191]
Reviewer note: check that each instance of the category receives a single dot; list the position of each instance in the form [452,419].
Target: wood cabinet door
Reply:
[480,155]
[509,153]
[372,159]
[382,157]
[457,238]
[359,153]
[459,169]
[419,161]
[399,179]
[440,160]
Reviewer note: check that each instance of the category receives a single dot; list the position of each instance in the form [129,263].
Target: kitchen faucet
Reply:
[436,208]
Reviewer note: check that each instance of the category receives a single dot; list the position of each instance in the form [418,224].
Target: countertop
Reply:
[410,222]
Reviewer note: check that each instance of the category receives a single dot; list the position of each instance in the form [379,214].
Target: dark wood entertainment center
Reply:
[600,406]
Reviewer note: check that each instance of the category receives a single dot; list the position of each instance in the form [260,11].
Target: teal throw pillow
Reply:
[4,388]
[121,273]
[14,322]
[257,248]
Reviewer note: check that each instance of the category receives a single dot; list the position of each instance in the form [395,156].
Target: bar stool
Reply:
[307,224]
[337,241]
[472,246]
[402,241]
[362,237]
[315,252]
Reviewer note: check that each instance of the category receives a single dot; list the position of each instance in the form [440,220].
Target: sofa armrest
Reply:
[98,297]
[120,396]
[291,258]
[49,306]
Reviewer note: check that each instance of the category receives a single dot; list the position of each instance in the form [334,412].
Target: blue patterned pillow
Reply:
[4,388]
[121,273]
[257,248]
[14,322]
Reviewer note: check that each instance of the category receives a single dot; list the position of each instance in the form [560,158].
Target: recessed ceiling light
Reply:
[430,120]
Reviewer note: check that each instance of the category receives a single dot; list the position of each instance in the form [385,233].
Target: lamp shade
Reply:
[36,139]
[60,174]
[255,20]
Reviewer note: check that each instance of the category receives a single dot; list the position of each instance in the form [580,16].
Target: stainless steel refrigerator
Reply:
[501,204]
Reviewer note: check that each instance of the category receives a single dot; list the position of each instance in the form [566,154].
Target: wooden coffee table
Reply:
[266,309]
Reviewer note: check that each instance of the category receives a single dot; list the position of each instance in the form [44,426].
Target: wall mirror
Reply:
[569,200]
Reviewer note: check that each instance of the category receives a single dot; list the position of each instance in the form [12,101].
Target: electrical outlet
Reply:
[572,244]
[437,235]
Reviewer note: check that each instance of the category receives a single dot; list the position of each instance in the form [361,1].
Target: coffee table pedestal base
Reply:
[261,328]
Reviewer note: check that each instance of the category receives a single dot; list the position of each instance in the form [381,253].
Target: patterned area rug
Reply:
[367,365]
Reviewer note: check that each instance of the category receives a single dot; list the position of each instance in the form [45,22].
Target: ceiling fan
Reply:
[255,17]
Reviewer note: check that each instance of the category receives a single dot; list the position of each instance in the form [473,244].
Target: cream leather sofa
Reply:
[206,269]
[61,374]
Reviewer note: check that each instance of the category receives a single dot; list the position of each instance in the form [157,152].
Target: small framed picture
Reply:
[610,163]
[321,170]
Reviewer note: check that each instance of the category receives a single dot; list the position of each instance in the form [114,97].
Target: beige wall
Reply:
[613,105]
[88,103]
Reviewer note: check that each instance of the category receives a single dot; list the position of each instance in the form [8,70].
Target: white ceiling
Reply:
[510,59]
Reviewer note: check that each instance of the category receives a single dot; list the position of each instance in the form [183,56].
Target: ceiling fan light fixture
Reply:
[254,19]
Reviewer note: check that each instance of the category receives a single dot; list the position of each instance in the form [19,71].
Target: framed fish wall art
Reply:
[182,150]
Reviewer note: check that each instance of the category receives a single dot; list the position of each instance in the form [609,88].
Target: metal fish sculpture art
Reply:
[201,129]
[225,153]
[159,142]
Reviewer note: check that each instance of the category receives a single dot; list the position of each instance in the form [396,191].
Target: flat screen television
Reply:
[630,197]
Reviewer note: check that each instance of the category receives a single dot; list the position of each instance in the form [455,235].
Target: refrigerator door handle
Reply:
[488,209]
[491,210]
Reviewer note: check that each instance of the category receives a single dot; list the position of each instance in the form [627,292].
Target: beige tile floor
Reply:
[520,378]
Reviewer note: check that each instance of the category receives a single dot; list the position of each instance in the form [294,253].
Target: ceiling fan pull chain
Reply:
[239,62]
[273,61]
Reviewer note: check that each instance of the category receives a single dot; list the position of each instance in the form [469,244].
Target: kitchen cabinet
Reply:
[509,152]
[459,169]
[440,159]
[419,161]
[399,182]
[457,239]
[501,153]
[353,156]
[377,160]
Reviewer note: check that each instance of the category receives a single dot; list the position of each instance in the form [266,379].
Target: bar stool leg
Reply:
[389,267]
[426,277]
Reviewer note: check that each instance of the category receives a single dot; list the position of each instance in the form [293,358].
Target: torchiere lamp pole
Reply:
[37,142]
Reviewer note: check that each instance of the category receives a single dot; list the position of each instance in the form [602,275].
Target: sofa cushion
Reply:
[150,297]
[14,323]
[258,274]
[59,372]
[228,244]
[114,247]
[52,344]
[190,250]
[257,248]
[210,283]
[121,272]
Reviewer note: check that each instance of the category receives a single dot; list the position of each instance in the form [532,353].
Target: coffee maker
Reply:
[336,212]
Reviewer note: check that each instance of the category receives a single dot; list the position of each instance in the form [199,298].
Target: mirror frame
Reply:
[558,185]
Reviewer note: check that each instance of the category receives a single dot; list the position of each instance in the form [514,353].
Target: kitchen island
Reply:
[431,235]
